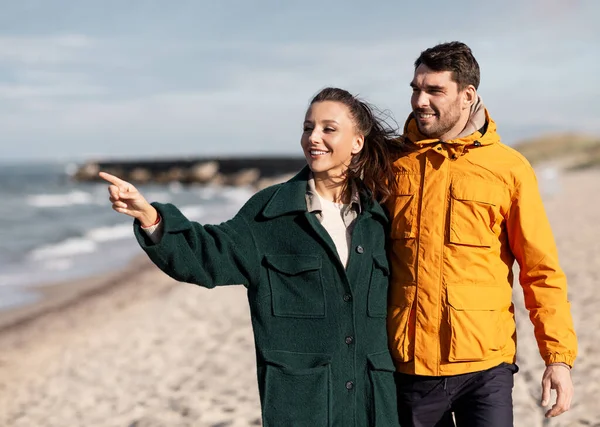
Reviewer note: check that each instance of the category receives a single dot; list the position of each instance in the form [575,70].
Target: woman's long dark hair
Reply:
[374,165]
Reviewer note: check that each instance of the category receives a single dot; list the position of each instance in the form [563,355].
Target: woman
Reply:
[311,254]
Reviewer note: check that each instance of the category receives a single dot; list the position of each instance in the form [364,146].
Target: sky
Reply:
[84,80]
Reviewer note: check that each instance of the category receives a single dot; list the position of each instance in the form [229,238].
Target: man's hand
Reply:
[557,377]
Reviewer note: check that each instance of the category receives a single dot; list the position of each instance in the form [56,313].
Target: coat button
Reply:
[360,249]
[347,297]
[349,340]
[477,144]
[349,385]
[439,148]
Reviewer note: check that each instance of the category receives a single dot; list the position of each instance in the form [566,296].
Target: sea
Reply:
[53,228]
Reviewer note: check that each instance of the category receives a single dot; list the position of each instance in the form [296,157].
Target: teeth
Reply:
[426,116]
[317,153]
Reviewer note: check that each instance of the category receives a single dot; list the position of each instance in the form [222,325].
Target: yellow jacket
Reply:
[466,209]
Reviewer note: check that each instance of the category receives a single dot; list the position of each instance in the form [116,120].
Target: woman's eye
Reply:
[307,129]
[329,129]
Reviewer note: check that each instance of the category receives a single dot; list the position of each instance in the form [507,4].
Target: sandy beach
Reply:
[134,348]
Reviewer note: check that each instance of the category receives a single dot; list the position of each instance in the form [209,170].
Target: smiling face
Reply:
[440,108]
[330,139]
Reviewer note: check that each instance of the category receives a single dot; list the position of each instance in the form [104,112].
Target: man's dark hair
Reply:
[455,57]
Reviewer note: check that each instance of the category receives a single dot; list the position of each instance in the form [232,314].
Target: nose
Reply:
[315,136]
[420,99]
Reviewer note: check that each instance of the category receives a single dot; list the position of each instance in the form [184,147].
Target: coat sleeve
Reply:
[205,255]
[542,279]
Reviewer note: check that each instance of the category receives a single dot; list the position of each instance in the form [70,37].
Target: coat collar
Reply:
[290,198]
[314,204]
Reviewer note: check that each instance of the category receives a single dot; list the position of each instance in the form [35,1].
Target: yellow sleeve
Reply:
[543,281]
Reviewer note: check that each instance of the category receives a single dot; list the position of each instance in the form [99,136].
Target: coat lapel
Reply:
[290,199]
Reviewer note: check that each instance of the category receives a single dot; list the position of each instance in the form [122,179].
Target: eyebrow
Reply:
[324,121]
[429,87]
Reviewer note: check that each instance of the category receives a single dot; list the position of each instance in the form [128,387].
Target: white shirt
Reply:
[332,220]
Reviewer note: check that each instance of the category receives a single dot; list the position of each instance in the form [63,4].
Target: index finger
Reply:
[113,179]
[561,404]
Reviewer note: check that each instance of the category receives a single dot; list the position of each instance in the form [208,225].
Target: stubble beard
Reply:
[444,122]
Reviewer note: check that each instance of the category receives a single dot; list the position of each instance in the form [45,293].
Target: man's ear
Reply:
[469,96]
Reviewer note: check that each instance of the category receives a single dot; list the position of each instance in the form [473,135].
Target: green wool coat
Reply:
[319,329]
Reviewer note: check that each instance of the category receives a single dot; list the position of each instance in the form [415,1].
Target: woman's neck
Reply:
[332,188]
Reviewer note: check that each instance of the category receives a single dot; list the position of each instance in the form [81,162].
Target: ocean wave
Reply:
[109,233]
[66,248]
[239,195]
[193,212]
[15,298]
[8,279]
[208,192]
[59,200]
[159,196]
[85,244]
[60,264]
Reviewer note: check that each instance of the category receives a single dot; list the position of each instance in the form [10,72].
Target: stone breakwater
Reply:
[259,172]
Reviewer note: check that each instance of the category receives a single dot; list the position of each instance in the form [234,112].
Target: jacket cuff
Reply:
[560,358]
[171,221]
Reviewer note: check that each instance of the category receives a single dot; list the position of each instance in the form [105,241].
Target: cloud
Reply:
[258,104]
[51,50]
[235,86]
[30,92]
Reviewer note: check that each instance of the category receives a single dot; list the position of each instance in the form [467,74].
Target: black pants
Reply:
[477,399]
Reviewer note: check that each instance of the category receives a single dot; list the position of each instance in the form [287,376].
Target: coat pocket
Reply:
[476,321]
[384,409]
[297,389]
[401,332]
[403,208]
[472,213]
[378,287]
[296,285]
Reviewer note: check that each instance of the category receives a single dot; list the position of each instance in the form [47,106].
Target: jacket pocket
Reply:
[378,287]
[384,410]
[296,285]
[297,389]
[475,315]
[403,208]
[401,332]
[472,213]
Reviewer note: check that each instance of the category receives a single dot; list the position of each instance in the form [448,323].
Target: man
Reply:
[467,208]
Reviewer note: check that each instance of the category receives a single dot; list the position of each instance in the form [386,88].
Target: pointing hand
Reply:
[126,199]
